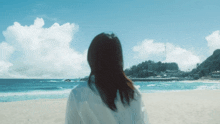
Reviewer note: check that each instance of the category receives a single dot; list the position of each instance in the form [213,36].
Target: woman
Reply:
[109,97]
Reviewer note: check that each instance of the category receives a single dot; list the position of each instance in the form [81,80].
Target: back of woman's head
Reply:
[105,54]
[106,63]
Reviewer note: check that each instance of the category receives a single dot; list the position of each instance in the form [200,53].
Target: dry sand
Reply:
[186,107]
[48,111]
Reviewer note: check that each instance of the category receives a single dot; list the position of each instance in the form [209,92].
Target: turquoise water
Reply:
[28,89]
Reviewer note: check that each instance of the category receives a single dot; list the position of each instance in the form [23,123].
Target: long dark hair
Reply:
[106,63]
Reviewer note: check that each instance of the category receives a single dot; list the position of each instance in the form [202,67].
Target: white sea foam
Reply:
[205,87]
[37,92]
[161,91]
[53,81]
[151,85]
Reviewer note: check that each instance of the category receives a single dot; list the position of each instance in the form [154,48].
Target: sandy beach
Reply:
[185,107]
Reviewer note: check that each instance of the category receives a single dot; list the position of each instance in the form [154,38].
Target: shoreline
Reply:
[202,81]
[213,80]
[212,86]
[176,79]
[185,107]
[155,79]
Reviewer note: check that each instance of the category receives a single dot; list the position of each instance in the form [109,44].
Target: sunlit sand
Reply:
[185,107]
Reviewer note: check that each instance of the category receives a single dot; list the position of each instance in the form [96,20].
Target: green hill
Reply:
[210,65]
[150,68]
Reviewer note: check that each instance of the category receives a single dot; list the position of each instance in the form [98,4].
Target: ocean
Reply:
[29,89]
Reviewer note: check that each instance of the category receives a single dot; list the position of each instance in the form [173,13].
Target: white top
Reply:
[86,107]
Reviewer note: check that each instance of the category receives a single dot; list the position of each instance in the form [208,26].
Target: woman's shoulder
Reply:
[82,86]
[82,92]
[137,92]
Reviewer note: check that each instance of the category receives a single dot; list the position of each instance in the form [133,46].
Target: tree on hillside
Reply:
[149,68]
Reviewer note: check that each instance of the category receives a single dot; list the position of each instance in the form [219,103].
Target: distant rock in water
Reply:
[85,78]
[67,80]
[211,64]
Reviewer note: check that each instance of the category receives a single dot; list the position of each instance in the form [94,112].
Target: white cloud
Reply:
[5,53]
[150,50]
[213,41]
[4,67]
[185,59]
[44,52]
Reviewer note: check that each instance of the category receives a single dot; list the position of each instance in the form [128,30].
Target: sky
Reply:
[50,39]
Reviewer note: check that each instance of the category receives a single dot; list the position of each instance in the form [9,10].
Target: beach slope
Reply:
[185,107]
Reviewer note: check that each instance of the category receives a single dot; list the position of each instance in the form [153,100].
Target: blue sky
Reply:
[188,28]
